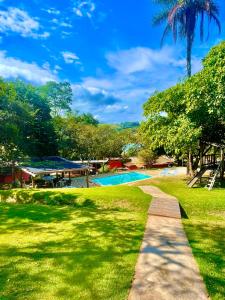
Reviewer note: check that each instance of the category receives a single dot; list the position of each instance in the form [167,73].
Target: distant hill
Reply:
[126,125]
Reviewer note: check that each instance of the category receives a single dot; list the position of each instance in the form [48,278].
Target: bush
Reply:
[104,169]
[147,156]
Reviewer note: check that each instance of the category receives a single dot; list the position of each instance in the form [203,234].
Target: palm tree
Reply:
[182,18]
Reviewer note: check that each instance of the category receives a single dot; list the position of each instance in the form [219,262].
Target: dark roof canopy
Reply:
[217,145]
[49,164]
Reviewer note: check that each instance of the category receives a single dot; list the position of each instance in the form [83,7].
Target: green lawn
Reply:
[204,223]
[86,249]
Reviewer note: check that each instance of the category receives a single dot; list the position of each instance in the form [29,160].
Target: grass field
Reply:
[204,222]
[86,249]
[84,243]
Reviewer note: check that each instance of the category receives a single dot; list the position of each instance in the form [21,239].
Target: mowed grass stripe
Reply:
[84,250]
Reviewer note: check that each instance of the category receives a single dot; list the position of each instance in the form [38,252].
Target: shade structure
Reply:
[49,165]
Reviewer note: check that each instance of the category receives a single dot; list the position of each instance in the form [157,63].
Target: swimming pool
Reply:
[120,178]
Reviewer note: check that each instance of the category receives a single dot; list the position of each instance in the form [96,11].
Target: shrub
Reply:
[147,156]
[104,169]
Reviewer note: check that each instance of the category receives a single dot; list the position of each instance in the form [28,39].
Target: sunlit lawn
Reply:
[86,249]
[204,223]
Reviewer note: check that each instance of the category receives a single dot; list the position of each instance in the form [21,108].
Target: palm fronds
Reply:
[182,16]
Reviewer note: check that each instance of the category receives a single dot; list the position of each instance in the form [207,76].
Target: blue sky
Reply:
[108,50]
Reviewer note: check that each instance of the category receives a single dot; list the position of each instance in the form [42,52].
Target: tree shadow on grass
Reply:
[208,246]
[75,260]
[37,213]
[22,216]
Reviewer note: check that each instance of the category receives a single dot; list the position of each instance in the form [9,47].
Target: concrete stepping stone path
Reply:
[166,268]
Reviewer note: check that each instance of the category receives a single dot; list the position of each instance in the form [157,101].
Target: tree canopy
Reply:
[58,95]
[39,121]
[25,122]
[79,140]
[179,117]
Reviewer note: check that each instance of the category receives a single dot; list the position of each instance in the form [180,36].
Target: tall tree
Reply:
[13,118]
[25,122]
[59,96]
[178,118]
[79,140]
[182,17]
[39,138]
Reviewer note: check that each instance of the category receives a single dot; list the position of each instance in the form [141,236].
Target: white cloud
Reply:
[58,67]
[98,101]
[143,59]
[52,11]
[65,24]
[12,68]
[100,83]
[78,12]
[84,9]
[70,57]
[138,73]
[61,23]
[17,20]
[65,34]
[92,95]
[43,35]
[115,108]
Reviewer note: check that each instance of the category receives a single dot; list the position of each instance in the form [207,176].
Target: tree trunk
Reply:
[190,171]
[87,178]
[222,164]
[21,178]
[201,154]
[13,174]
[189,51]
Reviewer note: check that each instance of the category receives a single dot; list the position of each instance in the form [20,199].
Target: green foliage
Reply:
[58,95]
[147,155]
[111,141]
[179,117]
[39,137]
[37,121]
[75,252]
[78,140]
[25,122]
[104,169]
[87,119]
[131,150]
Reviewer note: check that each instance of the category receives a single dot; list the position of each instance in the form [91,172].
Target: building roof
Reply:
[49,164]
[93,161]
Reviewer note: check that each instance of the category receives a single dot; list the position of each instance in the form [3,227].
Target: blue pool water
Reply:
[121,178]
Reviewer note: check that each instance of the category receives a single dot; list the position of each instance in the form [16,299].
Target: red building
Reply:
[7,178]
[115,163]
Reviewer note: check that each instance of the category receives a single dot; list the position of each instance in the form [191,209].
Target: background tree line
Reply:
[38,121]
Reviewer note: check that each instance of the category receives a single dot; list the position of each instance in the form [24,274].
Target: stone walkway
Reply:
[166,269]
